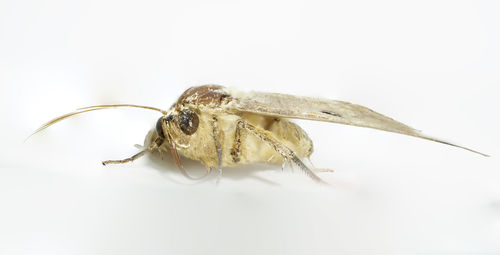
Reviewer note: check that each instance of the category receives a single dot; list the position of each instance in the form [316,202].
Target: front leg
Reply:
[217,141]
[154,146]
[287,153]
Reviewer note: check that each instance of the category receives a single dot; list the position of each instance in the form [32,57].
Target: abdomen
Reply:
[253,149]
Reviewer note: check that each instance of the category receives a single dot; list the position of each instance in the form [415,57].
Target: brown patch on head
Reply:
[209,95]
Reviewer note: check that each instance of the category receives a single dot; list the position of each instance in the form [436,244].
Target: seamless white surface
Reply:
[431,64]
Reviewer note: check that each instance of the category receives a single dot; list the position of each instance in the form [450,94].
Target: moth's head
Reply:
[177,124]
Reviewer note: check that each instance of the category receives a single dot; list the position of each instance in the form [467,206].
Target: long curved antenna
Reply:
[123,105]
[88,109]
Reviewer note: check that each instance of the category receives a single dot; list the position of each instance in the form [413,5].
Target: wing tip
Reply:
[438,140]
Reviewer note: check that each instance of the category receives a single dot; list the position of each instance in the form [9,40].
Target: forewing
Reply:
[289,106]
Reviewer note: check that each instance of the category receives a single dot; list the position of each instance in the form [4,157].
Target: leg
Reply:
[217,141]
[218,147]
[279,147]
[122,161]
[238,136]
[151,148]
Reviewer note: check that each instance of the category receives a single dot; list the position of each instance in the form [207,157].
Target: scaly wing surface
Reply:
[298,107]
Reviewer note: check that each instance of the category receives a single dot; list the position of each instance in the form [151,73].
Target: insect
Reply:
[222,127]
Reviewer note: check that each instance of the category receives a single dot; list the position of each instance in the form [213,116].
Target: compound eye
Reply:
[188,121]
[159,128]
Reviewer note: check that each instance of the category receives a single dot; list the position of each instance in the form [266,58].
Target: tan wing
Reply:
[289,106]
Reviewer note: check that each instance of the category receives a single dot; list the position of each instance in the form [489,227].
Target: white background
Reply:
[431,64]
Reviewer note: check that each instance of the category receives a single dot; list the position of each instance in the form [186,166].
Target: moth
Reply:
[222,127]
